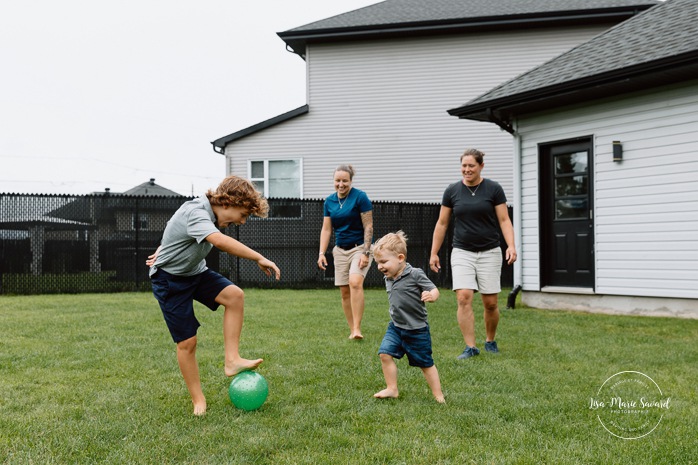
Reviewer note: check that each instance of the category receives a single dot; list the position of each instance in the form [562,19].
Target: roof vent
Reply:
[152,181]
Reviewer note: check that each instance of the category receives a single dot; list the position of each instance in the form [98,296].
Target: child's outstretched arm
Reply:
[431,296]
[234,247]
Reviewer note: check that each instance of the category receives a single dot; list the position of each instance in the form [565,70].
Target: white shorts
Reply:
[346,262]
[479,271]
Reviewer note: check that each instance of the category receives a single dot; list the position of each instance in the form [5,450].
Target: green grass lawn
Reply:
[88,379]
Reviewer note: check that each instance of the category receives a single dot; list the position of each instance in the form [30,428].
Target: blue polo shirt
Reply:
[346,216]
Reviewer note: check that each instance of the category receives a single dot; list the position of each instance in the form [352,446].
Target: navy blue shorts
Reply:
[176,296]
[416,343]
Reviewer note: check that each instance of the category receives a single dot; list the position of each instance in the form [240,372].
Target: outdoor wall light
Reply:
[617,151]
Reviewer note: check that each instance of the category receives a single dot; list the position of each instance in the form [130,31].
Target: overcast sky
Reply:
[97,94]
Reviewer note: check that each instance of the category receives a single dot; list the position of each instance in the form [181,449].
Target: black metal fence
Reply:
[99,243]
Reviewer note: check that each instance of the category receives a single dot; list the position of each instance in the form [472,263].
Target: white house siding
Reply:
[381,106]
[646,207]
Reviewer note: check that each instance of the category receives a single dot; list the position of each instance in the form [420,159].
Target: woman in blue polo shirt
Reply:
[348,212]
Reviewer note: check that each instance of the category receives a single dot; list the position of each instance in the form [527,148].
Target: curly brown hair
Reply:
[235,191]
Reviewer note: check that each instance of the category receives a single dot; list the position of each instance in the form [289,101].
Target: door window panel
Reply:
[571,181]
[571,209]
[571,163]
[575,185]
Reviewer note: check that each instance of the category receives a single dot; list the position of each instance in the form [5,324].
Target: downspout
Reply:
[500,122]
[221,151]
[518,235]
[511,128]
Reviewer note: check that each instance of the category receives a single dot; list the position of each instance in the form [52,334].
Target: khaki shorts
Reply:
[346,262]
[479,271]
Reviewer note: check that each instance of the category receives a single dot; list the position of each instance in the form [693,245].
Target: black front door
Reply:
[566,229]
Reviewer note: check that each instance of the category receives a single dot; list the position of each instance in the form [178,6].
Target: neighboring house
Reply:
[152,218]
[26,228]
[380,78]
[96,232]
[606,144]
[117,215]
[124,223]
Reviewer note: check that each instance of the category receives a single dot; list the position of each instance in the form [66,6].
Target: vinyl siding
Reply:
[646,214]
[382,106]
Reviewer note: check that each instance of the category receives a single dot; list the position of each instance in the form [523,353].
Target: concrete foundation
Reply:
[584,301]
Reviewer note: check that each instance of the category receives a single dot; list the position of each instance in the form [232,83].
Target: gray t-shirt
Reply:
[184,247]
[405,296]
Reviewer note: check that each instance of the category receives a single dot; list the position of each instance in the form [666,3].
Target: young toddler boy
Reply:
[408,331]
[179,275]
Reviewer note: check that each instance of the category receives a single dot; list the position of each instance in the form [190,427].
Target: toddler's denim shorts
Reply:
[416,343]
[176,296]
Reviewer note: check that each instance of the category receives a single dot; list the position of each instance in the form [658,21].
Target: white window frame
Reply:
[265,179]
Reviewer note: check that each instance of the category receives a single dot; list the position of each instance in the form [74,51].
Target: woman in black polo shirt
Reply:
[480,210]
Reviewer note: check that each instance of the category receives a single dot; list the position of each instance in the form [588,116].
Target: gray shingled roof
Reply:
[408,17]
[662,37]
[220,143]
[151,189]
[391,12]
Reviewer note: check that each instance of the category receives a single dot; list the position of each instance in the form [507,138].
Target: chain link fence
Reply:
[99,243]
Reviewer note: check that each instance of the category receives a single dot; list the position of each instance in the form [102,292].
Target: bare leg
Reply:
[356,287]
[432,376]
[233,299]
[465,315]
[346,306]
[186,357]
[491,315]
[390,373]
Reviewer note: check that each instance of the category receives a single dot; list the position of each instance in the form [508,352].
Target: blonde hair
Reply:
[392,242]
[235,191]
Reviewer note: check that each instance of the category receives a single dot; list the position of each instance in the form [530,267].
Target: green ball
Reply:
[248,390]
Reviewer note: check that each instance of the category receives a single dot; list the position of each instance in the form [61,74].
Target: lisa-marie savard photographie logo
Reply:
[630,405]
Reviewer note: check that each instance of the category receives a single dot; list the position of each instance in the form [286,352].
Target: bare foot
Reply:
[357,336]
[440,399]
[386,394]
[241,364]
[200,408]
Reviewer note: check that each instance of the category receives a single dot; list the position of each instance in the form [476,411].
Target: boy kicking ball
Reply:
[179,275]
[408,331]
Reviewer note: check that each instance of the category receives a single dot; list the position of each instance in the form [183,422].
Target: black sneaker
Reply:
[469,352]
[491,347]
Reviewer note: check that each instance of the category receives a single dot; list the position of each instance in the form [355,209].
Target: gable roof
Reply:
[399,18]
[220,143]
[659,46]
[151,189]
[98,205]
